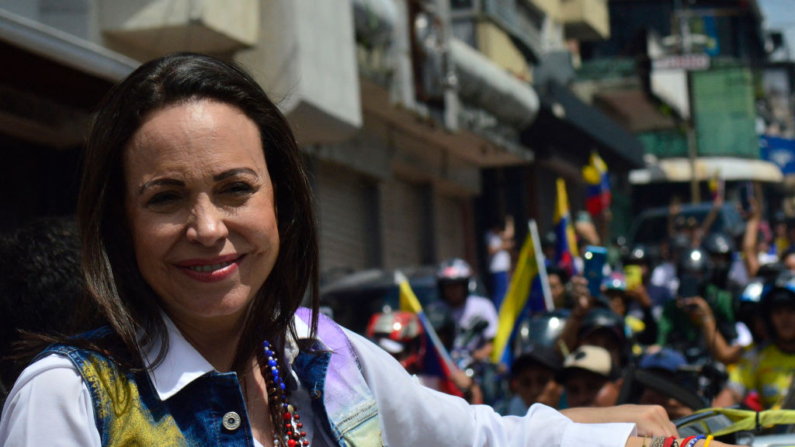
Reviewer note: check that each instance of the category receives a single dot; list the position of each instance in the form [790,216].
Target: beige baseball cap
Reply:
[593,359]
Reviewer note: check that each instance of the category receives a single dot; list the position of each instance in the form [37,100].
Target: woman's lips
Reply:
[211,270]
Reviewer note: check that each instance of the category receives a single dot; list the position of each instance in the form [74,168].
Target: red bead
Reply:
[287,416]
[300,425]
[288,426]
[297,416]
[290,443]
[289,434]
[303,433]
[306,443]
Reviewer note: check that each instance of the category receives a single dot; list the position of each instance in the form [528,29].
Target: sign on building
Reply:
[725,113]
[780,151]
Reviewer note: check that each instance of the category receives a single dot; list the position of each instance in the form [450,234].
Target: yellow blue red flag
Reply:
[525,284]
[437,361]
[598,196]
[566,249]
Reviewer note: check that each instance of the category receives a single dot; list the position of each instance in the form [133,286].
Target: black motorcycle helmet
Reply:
[540,329]
[720,248]
[719,244]
[782,293]
[695,261]
[694,269]
[605,320]
[637,255]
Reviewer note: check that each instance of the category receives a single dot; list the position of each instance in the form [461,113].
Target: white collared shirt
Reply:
[51,405]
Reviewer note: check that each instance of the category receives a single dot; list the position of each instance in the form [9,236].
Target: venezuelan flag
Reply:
[567,241]
[525,285]
[437,361]
[598,194]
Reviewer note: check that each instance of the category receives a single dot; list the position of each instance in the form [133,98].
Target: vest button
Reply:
[231,421]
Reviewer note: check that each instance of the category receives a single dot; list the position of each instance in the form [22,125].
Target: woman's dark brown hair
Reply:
[112,277]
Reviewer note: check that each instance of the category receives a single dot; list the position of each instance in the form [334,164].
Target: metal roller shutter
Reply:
[450,230]
[346,204]
[403,225]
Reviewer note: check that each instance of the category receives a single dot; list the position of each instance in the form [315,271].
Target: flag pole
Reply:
[403,281]
[542,266]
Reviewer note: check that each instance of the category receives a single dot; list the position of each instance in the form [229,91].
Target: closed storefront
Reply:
[405,224]
[348,222]
[451,230]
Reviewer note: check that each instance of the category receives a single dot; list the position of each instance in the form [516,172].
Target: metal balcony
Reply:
[586,19]
[162,26]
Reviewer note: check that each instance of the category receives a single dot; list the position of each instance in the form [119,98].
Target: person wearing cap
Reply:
[533,379]
[591,378]
[771,373]
[665,364]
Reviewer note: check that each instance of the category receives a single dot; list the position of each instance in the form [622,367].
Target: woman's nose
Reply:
[207,223]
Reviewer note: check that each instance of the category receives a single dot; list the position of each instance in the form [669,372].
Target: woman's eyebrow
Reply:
[160,182]
[234,172]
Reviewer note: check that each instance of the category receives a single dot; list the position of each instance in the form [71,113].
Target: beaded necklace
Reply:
[293,434]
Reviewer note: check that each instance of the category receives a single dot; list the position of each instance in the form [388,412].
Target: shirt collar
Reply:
[183,363]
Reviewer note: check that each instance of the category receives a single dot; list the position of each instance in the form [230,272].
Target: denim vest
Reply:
[128,410]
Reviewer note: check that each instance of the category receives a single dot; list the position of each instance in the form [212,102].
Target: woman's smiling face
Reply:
[200,205]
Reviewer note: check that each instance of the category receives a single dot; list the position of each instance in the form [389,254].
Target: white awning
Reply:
[64,48]
[728,168]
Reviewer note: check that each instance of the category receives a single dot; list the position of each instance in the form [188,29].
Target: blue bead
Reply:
[285,406]
[281,385]
[272,362]
[265,343]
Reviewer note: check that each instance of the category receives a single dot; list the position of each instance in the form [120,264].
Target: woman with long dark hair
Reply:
[199,243]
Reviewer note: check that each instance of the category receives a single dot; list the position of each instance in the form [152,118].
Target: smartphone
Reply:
[595,259]
[689,286]
[634,275]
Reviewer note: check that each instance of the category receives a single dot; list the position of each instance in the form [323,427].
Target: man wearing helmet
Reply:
[770,374]
[468,310]
[701,320]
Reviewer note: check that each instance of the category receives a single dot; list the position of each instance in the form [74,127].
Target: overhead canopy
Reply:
[567,122]
[728,168]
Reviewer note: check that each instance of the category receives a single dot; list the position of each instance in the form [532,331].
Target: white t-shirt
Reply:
[500,261]
[664,275]
[51,405]
[476,308]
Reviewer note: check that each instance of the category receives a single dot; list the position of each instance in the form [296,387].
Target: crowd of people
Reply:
[700,319]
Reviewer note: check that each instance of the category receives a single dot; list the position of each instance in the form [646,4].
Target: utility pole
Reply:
[685,42]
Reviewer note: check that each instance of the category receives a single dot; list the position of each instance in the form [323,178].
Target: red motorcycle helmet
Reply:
[400,334]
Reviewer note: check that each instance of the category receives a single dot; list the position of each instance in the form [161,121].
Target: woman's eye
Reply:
[163,199]
[238,189]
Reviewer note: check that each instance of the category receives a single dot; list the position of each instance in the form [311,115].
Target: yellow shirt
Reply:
[769,373]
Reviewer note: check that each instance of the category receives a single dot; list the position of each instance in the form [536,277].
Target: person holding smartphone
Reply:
[701,319]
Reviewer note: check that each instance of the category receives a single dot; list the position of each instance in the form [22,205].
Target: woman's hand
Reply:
[650,420]
[640,442]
